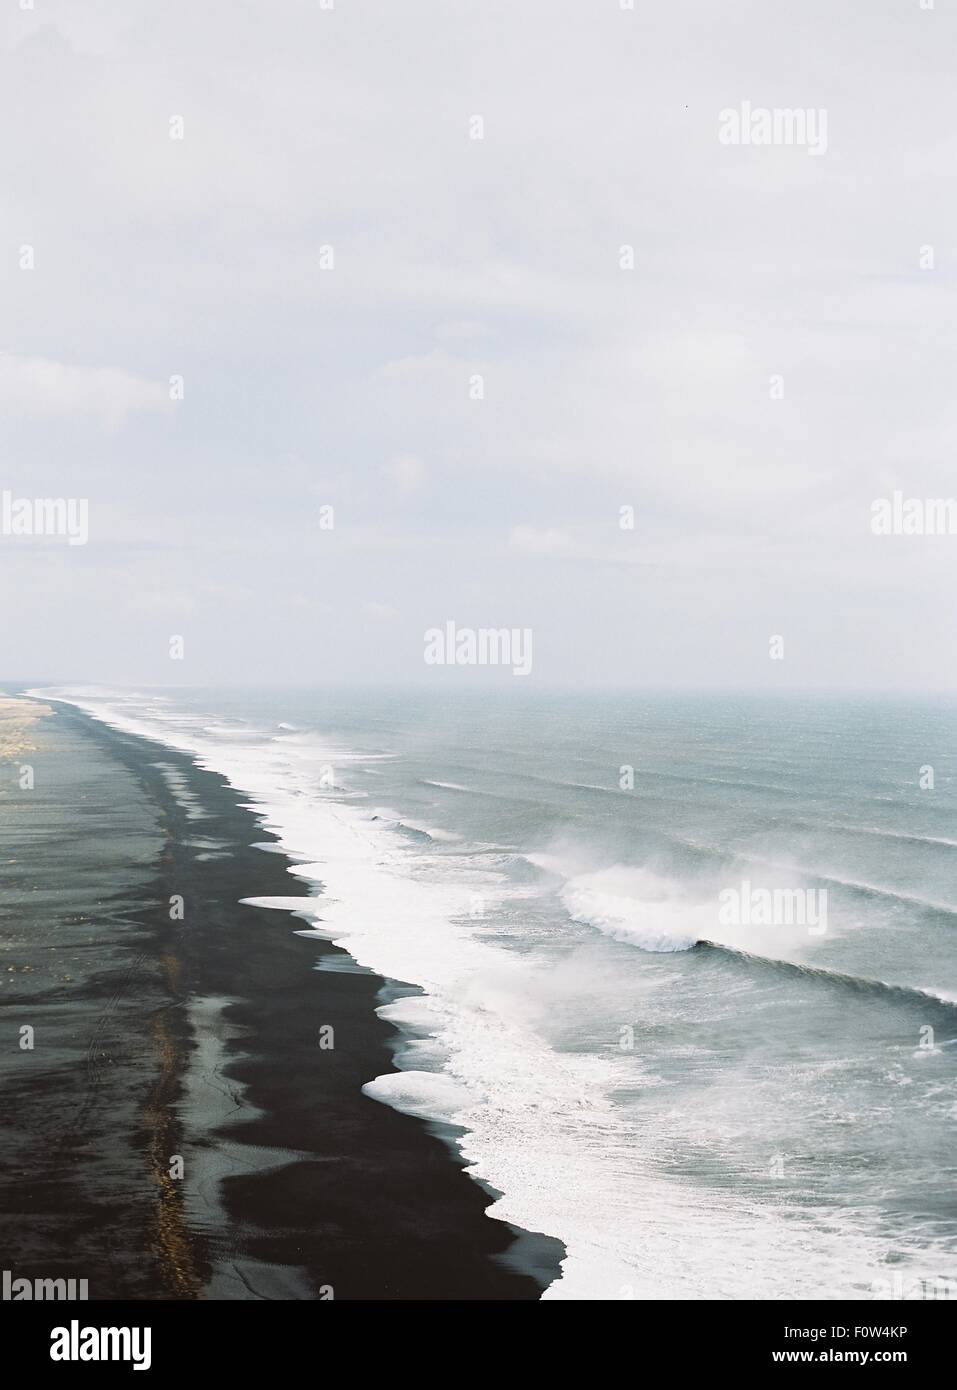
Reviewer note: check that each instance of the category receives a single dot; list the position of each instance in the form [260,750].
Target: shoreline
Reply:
[17,718]
[294,1183]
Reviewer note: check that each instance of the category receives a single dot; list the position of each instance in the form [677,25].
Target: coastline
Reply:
[294,1184]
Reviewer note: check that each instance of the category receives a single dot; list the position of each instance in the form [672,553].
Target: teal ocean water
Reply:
[688,965]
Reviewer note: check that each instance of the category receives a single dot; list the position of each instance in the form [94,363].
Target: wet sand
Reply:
[17,718]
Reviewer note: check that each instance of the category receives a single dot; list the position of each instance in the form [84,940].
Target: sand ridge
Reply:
[17,718]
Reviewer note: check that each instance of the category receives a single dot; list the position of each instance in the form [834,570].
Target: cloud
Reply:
[93,28]
[407,472]
[238,593]
[38,387]
[581,544]
[461,331]
[603,387]
[382,612]
[159,601]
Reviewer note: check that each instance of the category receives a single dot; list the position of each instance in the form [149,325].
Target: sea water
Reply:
[702,1098]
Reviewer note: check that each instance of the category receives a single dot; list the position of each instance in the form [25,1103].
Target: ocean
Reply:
[686,965]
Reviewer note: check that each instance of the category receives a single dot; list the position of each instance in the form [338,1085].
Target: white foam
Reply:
[639,909]
[654,913]
[540,1125]
[398,822]
[430,1094]
[305,906]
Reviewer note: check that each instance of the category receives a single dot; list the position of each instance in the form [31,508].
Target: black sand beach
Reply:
[199,1038]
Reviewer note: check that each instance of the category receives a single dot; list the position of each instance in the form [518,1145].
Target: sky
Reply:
[283,209]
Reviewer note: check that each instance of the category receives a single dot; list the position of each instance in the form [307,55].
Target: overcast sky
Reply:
[351,387]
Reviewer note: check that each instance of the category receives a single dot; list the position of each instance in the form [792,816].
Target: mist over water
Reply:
[699,1107]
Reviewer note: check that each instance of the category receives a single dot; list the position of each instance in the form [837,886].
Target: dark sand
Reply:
[200,1038]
